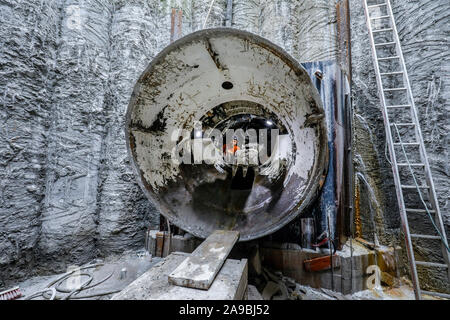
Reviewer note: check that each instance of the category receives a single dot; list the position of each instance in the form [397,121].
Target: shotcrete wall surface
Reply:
[423,31]
[67,70]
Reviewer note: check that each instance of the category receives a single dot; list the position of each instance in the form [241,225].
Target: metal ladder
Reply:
[376,14]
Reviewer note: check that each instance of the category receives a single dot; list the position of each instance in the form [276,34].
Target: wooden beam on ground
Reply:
[159,244]
[201,267]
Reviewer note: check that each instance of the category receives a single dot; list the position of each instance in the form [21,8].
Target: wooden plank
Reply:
[322,263]
[201,267]
[159,244]
[177,243]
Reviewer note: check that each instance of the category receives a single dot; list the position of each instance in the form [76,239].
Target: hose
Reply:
[72,271]
[42,292]
[72,294]
[96,294]
[58,286]
[83,286]
[92,295]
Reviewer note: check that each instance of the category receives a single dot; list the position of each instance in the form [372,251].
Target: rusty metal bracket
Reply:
[343,35]
[322,263]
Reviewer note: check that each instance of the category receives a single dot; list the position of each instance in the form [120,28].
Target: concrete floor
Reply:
[138,262]
[135,262]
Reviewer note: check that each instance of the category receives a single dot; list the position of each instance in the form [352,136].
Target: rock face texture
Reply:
[305,29]
[423,31]
[27,57]
[68,67]
[77,122]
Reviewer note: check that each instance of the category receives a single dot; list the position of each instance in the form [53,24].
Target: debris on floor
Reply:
[273,285]
[99,279]
[253,293]
[11,294]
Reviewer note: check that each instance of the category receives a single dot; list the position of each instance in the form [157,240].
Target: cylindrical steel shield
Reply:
[214,81]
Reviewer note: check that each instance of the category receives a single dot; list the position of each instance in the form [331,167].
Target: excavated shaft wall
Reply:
[67,71]
[423,31]
[68,68]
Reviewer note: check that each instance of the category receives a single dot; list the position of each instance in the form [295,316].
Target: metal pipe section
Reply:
[207,90]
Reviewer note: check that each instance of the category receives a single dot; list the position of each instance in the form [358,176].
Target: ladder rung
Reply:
[388,58]
[377,5]
[406,144]
[404,124]
[379,17]
[394,89]
[406,186]
[437,294]
[425,236]
[381,30]
[384,44]
[399,106]
[411,164]
[410,210]
[391,73]
[431,264]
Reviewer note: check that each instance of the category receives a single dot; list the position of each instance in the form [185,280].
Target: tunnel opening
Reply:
[241,182]
[236,119]
[245,127]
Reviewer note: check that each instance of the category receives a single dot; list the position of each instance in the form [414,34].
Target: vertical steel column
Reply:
[229,16]
[175,24]
[345,205]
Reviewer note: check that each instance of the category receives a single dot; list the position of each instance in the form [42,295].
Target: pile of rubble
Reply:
[273,285]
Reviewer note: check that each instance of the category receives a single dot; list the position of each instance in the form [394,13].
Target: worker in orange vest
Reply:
[231,150]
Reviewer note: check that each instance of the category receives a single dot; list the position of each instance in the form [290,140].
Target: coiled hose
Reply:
[72,294]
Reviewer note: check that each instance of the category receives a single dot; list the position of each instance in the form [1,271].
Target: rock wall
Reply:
[305,29]
[423,31]
[123,209]
[28,37]
[77,123]
[68,68]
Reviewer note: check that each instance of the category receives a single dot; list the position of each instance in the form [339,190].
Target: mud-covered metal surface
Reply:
[183,84]
[326,212]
